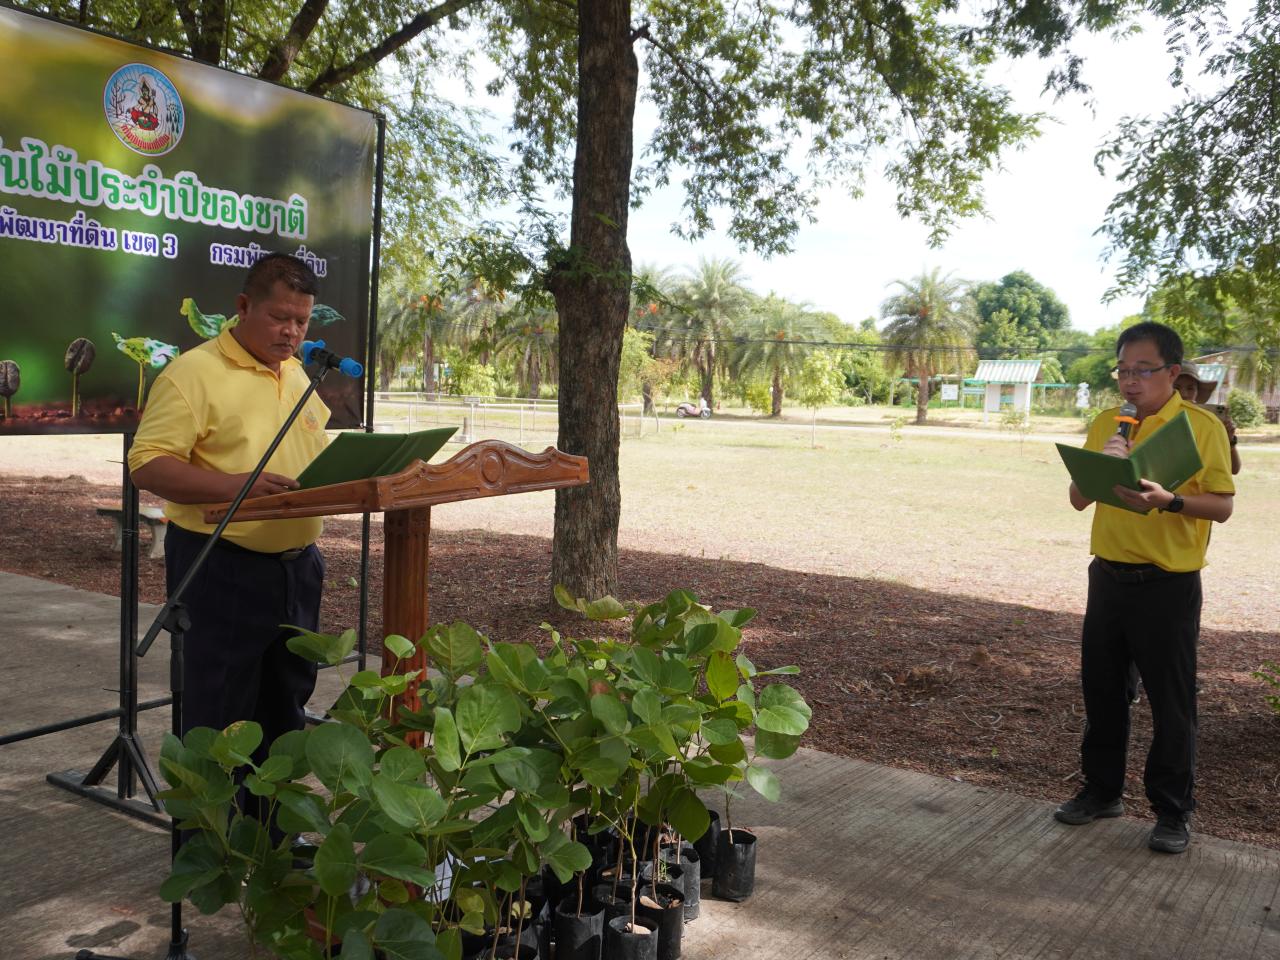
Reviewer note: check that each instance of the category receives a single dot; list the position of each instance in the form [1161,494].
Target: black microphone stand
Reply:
[174,618]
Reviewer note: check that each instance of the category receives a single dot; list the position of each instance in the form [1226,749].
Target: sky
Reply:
[1044,204]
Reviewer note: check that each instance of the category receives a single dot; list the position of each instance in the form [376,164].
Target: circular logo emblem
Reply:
[144,109]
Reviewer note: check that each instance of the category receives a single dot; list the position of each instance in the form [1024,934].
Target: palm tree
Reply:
[651,292]
[711,301]
[415,318]
[779,337]
[532,342]
[932,323]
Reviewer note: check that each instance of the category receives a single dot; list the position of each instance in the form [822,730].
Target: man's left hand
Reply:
[1152,496]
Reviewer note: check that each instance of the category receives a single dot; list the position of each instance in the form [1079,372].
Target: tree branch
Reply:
[681,63]
[335,75]
[282,55]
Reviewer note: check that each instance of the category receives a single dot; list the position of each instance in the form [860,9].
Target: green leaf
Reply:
[449,943]
[321,647]
[722,676]
[737,618]
[765,782]
[340,755]
[336,862]
[687,813]
[564,857]
[647,665]
[403,935]
[526,770]
[485,713]
[701,770]
[403,764]
[455,647]
[401,647]
[676,677]
[323,315]
[647,705]
[207,325]
[445,740]
[275,768]
[412,805]
[776,746]
[356,946]
[720,731]
[196,864]
[782,710]
[747,668]
[729,753]
[236,743]
[609,710]
[302,813]
[606,608]
[397,856]
[789,671]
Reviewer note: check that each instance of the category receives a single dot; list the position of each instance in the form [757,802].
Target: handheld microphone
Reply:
[1127,420]
[313,351]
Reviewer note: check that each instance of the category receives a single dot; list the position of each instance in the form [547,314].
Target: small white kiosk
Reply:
[997,375]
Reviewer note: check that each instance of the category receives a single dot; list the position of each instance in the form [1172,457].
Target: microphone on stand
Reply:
[1127,419]
[313,351]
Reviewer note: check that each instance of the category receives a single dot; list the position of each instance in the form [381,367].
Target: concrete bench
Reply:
[152,517]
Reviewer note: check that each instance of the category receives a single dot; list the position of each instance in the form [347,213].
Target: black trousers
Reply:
[1155,624]
[237,664]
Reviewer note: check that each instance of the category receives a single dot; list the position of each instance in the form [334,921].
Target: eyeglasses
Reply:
[1136,373]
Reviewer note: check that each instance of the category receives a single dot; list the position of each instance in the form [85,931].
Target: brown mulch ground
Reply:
[975,690]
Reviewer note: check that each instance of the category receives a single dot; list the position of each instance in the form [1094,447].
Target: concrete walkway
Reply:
[859,861]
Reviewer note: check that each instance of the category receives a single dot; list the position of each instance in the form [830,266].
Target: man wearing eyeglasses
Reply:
[1144,596]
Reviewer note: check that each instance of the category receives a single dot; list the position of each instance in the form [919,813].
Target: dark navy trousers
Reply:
[237,664]
[1151,620]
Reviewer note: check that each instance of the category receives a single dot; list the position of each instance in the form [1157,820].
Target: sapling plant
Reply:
[145,352]
[78,360]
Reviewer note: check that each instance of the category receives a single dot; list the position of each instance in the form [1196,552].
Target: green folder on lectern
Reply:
[355,455]
[1169,457]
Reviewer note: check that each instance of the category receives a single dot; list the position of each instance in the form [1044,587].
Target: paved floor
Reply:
[859,861]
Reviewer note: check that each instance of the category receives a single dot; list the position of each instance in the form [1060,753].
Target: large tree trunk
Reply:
[709,377]
[646,395]
[922,397]
[775,391]
[592,288]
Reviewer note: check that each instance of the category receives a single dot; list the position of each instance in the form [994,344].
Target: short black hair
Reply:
[282,267]
[1168,343]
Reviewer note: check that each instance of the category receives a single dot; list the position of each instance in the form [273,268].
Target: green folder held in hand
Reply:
[358,456]
[1168,456]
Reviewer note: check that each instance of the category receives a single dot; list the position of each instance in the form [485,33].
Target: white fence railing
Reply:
[513,419]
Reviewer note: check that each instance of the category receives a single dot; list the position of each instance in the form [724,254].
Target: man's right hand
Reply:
[1117,446]
[180,482]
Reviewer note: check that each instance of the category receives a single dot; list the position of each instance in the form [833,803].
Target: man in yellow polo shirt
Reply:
[1144,596]
[211,415]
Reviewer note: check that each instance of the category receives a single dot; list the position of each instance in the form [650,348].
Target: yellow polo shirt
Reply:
[217,407]
[1172,541]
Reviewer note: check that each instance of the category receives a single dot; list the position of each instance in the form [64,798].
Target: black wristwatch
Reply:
[1234,441]
[1175,505]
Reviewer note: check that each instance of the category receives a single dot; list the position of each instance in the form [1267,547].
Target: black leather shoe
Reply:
[1086,807]
[1170,834]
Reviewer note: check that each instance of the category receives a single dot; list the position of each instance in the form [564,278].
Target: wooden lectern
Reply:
[489,468]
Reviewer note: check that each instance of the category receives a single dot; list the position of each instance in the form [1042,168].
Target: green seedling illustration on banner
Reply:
[145,352]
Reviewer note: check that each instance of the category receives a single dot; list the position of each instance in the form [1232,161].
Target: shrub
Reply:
[1246,408]
[1269,673]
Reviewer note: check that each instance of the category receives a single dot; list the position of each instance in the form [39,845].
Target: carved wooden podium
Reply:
[489,468]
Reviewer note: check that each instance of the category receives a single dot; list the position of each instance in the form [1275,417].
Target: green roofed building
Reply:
[1006,378]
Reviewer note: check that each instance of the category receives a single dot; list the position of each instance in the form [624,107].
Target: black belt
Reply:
[1136,572]
[230,547]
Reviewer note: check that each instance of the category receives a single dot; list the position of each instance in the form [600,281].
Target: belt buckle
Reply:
[289,555]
